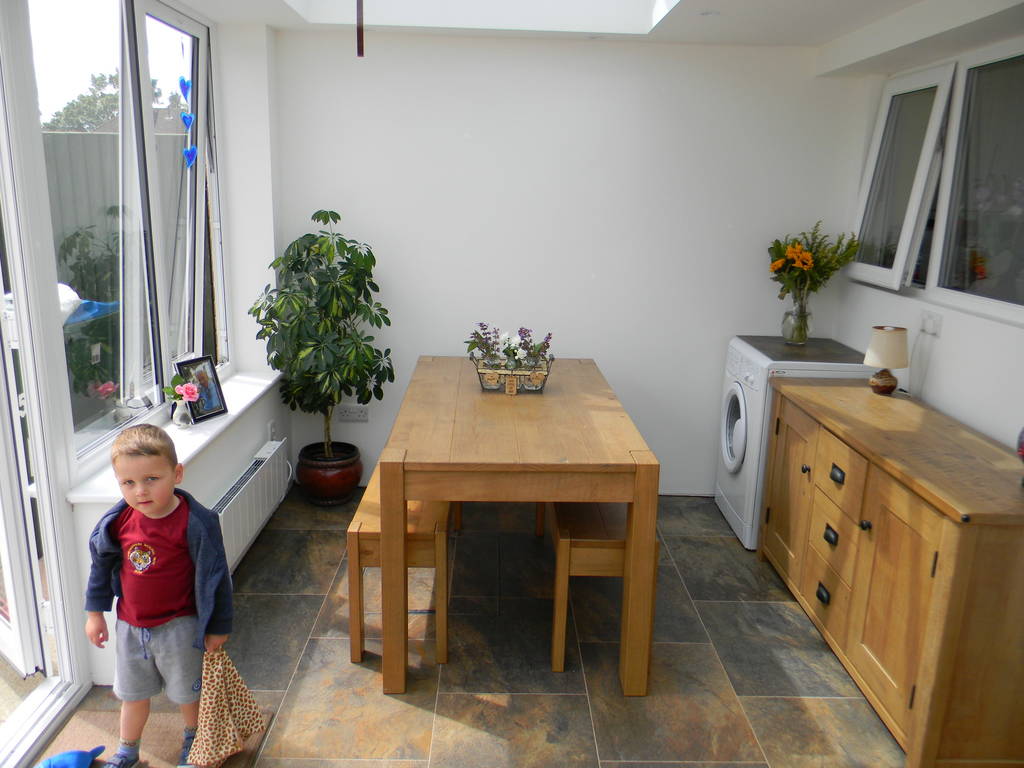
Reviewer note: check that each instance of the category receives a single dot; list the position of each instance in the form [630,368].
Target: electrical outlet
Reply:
[271,430]
[931,323]
[351,412]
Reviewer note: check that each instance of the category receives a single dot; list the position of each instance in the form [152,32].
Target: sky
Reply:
[72,40]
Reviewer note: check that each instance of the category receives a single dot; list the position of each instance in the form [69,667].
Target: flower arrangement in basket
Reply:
[510,363]
[803,264]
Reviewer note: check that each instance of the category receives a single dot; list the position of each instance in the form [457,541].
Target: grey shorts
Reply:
[159,658]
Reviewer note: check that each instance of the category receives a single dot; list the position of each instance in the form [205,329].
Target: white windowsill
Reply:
[240,392]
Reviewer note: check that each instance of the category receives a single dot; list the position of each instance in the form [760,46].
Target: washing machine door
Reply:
[734,427]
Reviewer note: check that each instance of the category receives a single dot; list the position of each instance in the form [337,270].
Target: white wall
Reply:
[619,194]
[243,61]
[972,371]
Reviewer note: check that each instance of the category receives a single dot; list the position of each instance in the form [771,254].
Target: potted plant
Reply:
[314,323]
[802,265]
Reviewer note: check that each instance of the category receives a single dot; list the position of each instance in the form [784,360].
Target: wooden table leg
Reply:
[640,573]
[394,594]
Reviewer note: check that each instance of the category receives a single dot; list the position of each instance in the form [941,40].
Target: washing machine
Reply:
[750,364]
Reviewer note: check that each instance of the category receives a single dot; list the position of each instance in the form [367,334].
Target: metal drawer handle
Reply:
[837,475]
[804,468]
[865,525]
[822,594]
[831,535]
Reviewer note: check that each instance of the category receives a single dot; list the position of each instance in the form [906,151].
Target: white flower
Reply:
[520,353]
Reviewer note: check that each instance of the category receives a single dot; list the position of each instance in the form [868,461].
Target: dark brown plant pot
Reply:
[328,480]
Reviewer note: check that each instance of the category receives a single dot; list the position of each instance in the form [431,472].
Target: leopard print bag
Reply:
[228,713]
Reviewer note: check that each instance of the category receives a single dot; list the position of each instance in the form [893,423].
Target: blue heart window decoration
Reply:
[190,156]
[187,119]
[185,86]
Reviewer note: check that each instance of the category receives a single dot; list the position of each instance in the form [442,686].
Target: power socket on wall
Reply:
[351,412]
[931,323]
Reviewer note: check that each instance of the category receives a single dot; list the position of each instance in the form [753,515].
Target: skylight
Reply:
[628,17]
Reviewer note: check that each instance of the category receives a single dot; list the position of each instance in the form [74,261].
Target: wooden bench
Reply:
[426,546]
[590,540]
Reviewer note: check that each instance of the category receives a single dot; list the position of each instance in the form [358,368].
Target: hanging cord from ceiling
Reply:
[359,28]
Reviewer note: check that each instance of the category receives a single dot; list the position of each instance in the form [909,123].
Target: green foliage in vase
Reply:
[804,263]
[315,322]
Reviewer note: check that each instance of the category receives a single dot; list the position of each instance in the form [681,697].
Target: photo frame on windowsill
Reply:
[202,372]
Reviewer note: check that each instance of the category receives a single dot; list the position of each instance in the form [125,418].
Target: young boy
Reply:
[161,553]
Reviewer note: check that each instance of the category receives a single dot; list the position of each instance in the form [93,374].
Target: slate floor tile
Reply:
[269,634]
[500,730]
[597,608]
[497,517]
[690,712]
[333,618]
[335,709]
[508,652]
[719,568]
[527,566]
[773,649]
[293,762]
[291,562]
[691,516]
[297,514]
[809,732]
[477,566]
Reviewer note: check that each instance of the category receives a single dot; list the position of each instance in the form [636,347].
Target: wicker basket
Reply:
[494,377]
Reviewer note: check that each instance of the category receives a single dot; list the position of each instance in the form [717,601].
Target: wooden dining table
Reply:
[451,441]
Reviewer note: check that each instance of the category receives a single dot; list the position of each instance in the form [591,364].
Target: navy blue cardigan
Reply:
[214,608]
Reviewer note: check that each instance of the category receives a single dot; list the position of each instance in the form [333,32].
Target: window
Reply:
[964,220]
[124,115]
[905,166]
[981,253]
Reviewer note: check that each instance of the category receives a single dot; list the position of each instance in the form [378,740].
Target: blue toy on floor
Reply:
[73,759]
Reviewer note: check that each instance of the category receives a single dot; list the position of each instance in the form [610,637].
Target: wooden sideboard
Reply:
[900,532]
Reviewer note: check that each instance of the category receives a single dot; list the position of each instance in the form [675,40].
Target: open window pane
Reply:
[894,177]
[85,120]
[983,253]
[172,55]
[903,171]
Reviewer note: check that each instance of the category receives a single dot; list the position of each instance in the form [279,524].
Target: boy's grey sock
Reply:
[129,748]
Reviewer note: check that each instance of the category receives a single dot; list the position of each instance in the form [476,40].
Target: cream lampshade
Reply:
[887,349]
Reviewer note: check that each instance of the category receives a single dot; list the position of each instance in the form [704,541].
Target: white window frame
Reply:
[978,305]
[29,236]
[940,78]
[189,324]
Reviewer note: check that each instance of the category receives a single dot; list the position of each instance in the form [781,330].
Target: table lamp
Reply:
[887,349]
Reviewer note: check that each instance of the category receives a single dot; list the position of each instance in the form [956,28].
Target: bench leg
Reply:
[562,555]
[355,599]
[441,594]
[538,522]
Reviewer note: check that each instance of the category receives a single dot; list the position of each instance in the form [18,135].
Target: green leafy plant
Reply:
[314,323]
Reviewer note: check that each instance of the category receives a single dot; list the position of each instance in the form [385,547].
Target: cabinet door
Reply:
[892,589]
[789,501]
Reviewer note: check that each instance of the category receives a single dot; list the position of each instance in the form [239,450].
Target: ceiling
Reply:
[721,22]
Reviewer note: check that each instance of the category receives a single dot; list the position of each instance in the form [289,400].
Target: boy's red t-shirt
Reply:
[157,573]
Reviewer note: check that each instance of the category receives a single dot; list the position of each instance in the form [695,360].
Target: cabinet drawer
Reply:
[833,536]
[827,597]
[840,472]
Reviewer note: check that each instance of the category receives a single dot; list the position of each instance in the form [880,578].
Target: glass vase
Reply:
[796,322]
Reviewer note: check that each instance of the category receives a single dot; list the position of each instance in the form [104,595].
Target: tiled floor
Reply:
[739,676]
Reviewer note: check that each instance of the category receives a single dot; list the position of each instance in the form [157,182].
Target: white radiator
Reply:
[248,504]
